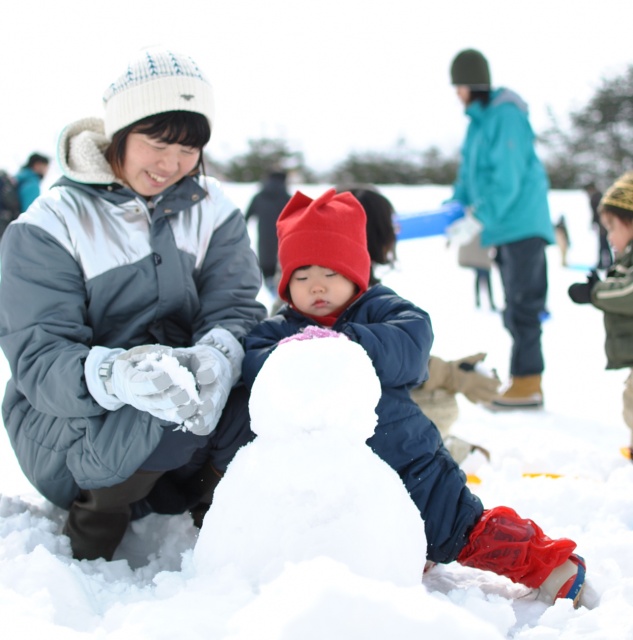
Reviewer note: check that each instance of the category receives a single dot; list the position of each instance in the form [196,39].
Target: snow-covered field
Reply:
[156,589]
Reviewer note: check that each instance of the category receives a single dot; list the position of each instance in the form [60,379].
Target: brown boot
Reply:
[524,392]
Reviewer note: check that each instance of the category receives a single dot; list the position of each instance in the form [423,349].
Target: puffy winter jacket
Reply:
[614,296]
[89,265]
[397,336]
[500,175]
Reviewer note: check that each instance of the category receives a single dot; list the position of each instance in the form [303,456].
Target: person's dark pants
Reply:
[482,278]
[98,518]
[523,269]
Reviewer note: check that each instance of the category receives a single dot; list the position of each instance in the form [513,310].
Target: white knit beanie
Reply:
[158,80]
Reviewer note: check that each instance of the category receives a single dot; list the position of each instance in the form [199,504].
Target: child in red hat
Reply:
[325,270]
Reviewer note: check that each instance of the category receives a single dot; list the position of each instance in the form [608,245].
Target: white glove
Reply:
[204,362]
[144,378]
[463,230]
[215,361]
[209,368]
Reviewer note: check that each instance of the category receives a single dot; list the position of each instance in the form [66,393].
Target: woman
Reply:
[131,270]
[502,179]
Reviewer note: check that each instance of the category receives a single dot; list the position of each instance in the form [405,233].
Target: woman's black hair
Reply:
[172,127]
[381,234]
[480,95]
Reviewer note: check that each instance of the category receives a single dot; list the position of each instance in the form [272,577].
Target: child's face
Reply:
[320,292]
[619,232]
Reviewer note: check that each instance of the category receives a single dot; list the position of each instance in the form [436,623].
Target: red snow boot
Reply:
[518,549]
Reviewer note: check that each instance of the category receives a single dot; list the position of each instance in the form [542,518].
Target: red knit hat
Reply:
[330,232]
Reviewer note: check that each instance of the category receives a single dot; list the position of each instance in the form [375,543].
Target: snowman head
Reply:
[326,385]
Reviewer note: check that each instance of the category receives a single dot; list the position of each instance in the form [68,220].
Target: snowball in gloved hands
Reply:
[203,361]
[206,365]
[150,379]
[212,371]
[213,399]
[216,362]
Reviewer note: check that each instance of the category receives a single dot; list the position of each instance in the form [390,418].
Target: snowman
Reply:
[309,486]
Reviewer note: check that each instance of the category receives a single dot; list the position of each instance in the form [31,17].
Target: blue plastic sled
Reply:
[427,223]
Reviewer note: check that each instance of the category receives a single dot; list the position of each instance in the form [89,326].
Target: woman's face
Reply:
[463,93]
[150,166]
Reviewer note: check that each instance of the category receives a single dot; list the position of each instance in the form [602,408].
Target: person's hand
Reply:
[476,385]
[212,372]
[580,292]
[203,361]
[460,376]
[143,378]
[463,230]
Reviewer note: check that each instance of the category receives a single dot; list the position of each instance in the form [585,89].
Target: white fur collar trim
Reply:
[80,152]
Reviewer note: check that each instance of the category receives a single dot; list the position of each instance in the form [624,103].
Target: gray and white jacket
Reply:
[92,264]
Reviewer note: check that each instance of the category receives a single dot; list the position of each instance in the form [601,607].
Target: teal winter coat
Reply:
[500,175]
[28,182]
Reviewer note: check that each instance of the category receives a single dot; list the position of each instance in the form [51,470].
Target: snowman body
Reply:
[308,485]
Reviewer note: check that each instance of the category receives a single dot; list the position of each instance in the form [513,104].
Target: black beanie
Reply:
[470,68]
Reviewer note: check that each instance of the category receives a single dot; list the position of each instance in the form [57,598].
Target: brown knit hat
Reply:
[620,193]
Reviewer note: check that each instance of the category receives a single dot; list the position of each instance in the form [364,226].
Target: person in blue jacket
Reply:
[126,291]
[501,178]
[29,178]
[325,271]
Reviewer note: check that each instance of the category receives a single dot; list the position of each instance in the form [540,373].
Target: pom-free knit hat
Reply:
[620,193]
[470,68]
[329,232]
[156,81]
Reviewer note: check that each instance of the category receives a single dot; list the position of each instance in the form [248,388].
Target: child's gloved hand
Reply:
[580,292]
[460,376]
[311,332]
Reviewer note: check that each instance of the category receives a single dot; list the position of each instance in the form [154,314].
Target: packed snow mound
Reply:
[321,599]
[315,385]
[309,486]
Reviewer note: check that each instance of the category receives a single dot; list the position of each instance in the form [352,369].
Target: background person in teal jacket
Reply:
[504,182]
[29,177]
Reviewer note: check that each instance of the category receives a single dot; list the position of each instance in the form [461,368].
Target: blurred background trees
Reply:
[596,144]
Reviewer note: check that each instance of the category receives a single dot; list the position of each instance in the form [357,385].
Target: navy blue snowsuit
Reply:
[397,336]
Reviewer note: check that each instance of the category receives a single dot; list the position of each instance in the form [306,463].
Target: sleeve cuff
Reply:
[96,386]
